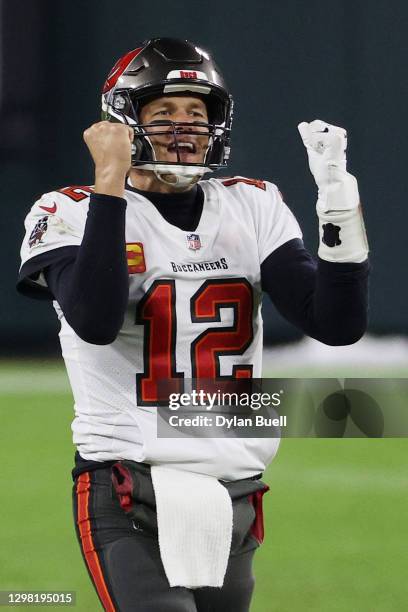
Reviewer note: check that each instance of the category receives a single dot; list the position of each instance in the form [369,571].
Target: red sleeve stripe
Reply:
[90,554]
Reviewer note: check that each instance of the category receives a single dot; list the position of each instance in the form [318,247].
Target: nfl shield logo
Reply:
[194,242]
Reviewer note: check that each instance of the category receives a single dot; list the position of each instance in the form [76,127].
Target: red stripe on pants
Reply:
[91,556]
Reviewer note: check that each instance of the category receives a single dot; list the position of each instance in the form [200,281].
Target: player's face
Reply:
[188,110]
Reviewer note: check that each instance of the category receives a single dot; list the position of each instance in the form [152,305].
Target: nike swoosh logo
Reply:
[50,209]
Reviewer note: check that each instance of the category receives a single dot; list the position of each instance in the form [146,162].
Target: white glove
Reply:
[341,226]
[326,149]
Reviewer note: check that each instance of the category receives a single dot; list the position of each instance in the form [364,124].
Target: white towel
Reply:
[194,517]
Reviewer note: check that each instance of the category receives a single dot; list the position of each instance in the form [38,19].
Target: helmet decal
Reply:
[119,69]
[187,74]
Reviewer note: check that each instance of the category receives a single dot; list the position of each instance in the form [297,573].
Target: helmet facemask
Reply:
[178,173]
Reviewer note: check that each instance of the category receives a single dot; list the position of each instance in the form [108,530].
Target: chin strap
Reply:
[182,176]
[175,175]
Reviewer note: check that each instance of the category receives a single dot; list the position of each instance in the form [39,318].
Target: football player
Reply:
[157,274]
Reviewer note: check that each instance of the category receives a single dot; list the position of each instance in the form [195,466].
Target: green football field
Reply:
[336,516]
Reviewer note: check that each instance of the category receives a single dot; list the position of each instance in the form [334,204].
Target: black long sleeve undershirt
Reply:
[93,291]
[327,301]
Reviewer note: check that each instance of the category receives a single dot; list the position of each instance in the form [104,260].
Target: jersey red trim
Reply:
[248,181]
[77,193]
[84,525]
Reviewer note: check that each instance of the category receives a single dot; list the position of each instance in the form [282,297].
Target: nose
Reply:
[185,127]
[183,116]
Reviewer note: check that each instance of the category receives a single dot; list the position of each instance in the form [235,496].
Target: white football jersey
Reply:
[194,311]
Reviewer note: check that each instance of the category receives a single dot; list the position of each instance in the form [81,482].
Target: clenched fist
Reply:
[110,147]
[326,149]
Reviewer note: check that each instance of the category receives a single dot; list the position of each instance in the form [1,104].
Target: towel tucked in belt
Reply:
[133,486]
[194,516]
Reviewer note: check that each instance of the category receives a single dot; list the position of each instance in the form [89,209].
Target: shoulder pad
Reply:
[59,202]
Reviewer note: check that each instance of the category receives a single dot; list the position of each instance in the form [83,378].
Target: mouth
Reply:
[183,147]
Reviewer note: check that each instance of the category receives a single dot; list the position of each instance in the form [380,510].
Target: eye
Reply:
[161,112]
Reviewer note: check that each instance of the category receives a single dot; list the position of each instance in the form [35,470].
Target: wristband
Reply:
[342,236]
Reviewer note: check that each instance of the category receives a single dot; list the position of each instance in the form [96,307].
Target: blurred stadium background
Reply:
[336,514]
